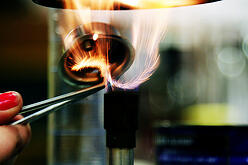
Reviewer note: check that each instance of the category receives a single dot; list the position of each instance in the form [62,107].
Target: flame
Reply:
[151,4]
[128,4]
[95,37]
[146,39]
[143,28]
[89,59]
[82,62]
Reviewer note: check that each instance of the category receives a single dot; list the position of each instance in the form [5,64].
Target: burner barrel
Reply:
[121,123]
[120,156]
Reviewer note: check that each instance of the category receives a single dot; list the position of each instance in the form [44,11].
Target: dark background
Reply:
[23,67]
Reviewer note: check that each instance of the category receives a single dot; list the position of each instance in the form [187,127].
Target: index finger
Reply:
[10,105]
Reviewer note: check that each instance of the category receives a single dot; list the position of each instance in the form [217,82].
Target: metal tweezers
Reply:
[42,108]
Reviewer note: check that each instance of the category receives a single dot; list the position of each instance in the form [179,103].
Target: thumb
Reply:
[10,105]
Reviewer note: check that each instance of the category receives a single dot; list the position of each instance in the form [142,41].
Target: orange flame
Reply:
[128,4]
[89,59]
[95,37]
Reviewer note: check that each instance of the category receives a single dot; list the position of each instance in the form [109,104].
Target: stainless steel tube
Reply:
[117,156]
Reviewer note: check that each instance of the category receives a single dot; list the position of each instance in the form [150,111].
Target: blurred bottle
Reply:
[75,133]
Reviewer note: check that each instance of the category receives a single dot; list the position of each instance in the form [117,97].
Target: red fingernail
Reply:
[8,100]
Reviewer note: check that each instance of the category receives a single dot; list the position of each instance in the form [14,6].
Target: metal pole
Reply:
[117,156]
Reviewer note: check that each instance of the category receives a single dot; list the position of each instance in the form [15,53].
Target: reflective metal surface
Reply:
[53,104]
[118,156]
[108,48]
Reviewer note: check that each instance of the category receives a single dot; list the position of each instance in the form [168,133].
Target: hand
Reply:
[12,138]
